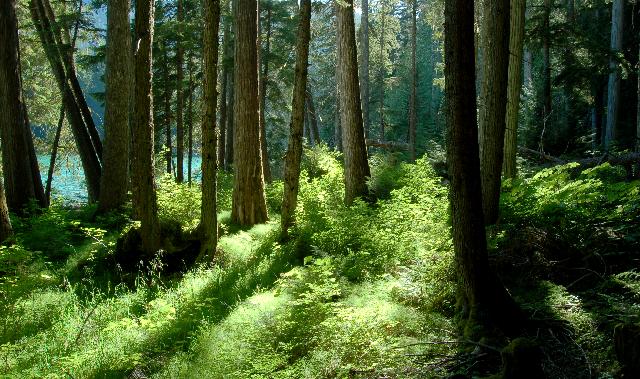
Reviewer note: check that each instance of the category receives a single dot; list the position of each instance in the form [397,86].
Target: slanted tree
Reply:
[57,42]
[180,95]
[483,302]
[356,165]
[114,186]
[20,166]
[208,217]
[495,70]
[144,187]
[249,205]
[413,98]
[613,92]
[516,44]
[294,150]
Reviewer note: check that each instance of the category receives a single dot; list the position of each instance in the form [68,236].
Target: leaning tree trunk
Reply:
[61,59]
[54,156]
[356,166]
[144,187]
[179,97]
[294,151]
[249,203]
[516,44]
[264,80]
[209,223]
[364,67]
[114,186]
[613,101]
[413,107]
[495,48]
[484,302]
[20,167]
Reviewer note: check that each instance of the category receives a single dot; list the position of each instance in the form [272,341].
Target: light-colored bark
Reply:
[364,67]
[413,99]
[179,97]
[264,81]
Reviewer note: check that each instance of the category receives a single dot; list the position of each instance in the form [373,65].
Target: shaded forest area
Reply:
[320,189]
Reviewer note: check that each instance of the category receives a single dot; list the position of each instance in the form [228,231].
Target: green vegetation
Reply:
[364,291]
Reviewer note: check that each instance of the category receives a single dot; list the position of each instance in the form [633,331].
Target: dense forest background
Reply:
[297,188]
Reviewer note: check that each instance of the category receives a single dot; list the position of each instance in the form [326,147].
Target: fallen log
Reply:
[619,160]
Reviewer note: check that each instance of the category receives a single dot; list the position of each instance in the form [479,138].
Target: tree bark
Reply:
[381,72]
[293,156]
[114,186]
[249,203]
[413,99]
[6,230]
[228,158]
[613,101]
[226,53]
[364,70]
[495,47]
[82,126]
[144,187]
[516,44]
[179,96]
[20,166]
[209,223]
[167,108]
[546,65]
[264,80]
[189,120]
[313,118]
[483,301]
[337,136]
[356,165]
[637,147]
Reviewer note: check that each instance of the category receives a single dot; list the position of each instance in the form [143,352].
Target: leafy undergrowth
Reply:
[362,292]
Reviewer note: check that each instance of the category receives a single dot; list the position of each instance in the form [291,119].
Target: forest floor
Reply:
[360,292]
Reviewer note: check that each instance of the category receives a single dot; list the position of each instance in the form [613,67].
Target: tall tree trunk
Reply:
[364,67]
[482,300]
[167,108]
[209,216]
[179,97]
[20,167]
[546,65]
[638,112]
[82,126]
[337,126]
[613,101]
[249,203]
[228,158]
[356,165]
[190,120]
[495,47]
[516,43]
[528,70]
[114,186]
[413,106]
[381,72]
[264,80]
[313,118]
[144,187]
[223,96]
[293,156]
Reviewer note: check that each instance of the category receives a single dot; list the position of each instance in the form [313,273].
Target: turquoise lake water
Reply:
[68,180]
